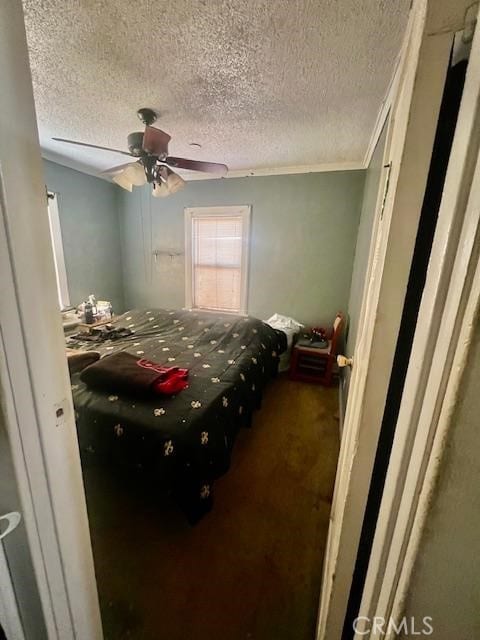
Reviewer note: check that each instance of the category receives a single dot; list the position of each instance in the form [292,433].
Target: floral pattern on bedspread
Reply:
[182,442]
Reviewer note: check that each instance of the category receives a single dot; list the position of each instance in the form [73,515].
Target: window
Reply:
[216,242]
[58,257]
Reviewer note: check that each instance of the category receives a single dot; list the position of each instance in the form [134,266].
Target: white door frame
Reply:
[33,372]
[415,103]
[445,326]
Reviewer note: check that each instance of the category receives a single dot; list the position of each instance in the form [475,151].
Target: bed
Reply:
[183,442]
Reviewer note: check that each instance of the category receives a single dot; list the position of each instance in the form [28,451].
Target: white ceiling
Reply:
[260,84]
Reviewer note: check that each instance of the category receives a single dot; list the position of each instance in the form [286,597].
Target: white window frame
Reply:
[202,212]
[58,255]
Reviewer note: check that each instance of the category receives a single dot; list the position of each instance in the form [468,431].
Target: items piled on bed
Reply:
[124,373]
[89,312]
[101,334]
[92,311]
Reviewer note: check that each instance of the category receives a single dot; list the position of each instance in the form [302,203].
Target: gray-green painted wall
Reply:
[362,249]
[303,235]
[90,232]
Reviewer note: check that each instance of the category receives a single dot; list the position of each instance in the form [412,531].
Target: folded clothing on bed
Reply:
[123,372]
[78,359]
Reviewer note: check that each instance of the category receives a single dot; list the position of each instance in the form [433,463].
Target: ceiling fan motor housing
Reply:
[147,116]
[135,142]
[153,170]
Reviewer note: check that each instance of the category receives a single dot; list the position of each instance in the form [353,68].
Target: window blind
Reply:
[217,262]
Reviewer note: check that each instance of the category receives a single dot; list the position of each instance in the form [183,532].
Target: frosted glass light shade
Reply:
[174,182]
[123,181]
[160,190]
[136,174]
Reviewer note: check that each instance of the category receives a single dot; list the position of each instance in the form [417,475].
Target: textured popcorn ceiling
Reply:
[258,83]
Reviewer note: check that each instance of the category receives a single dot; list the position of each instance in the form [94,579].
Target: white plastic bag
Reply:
[290,327]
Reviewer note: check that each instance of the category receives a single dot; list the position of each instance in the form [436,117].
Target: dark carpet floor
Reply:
[251,569]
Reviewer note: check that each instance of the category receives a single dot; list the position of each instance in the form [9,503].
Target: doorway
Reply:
[447,121]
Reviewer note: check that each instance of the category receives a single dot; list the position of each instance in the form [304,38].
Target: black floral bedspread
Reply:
[181,442]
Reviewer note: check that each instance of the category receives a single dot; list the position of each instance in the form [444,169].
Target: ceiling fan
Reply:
[153,164]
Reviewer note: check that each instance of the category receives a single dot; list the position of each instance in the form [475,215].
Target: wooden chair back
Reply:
[336,332]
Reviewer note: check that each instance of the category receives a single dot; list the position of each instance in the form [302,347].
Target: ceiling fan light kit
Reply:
[136,174]
[153,163]
[170,183]
[122,180]
[160,190]
[174,182]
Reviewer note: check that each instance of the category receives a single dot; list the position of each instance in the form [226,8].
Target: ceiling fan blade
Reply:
[91,146]
[155,141]
[114,170]
[197,165]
